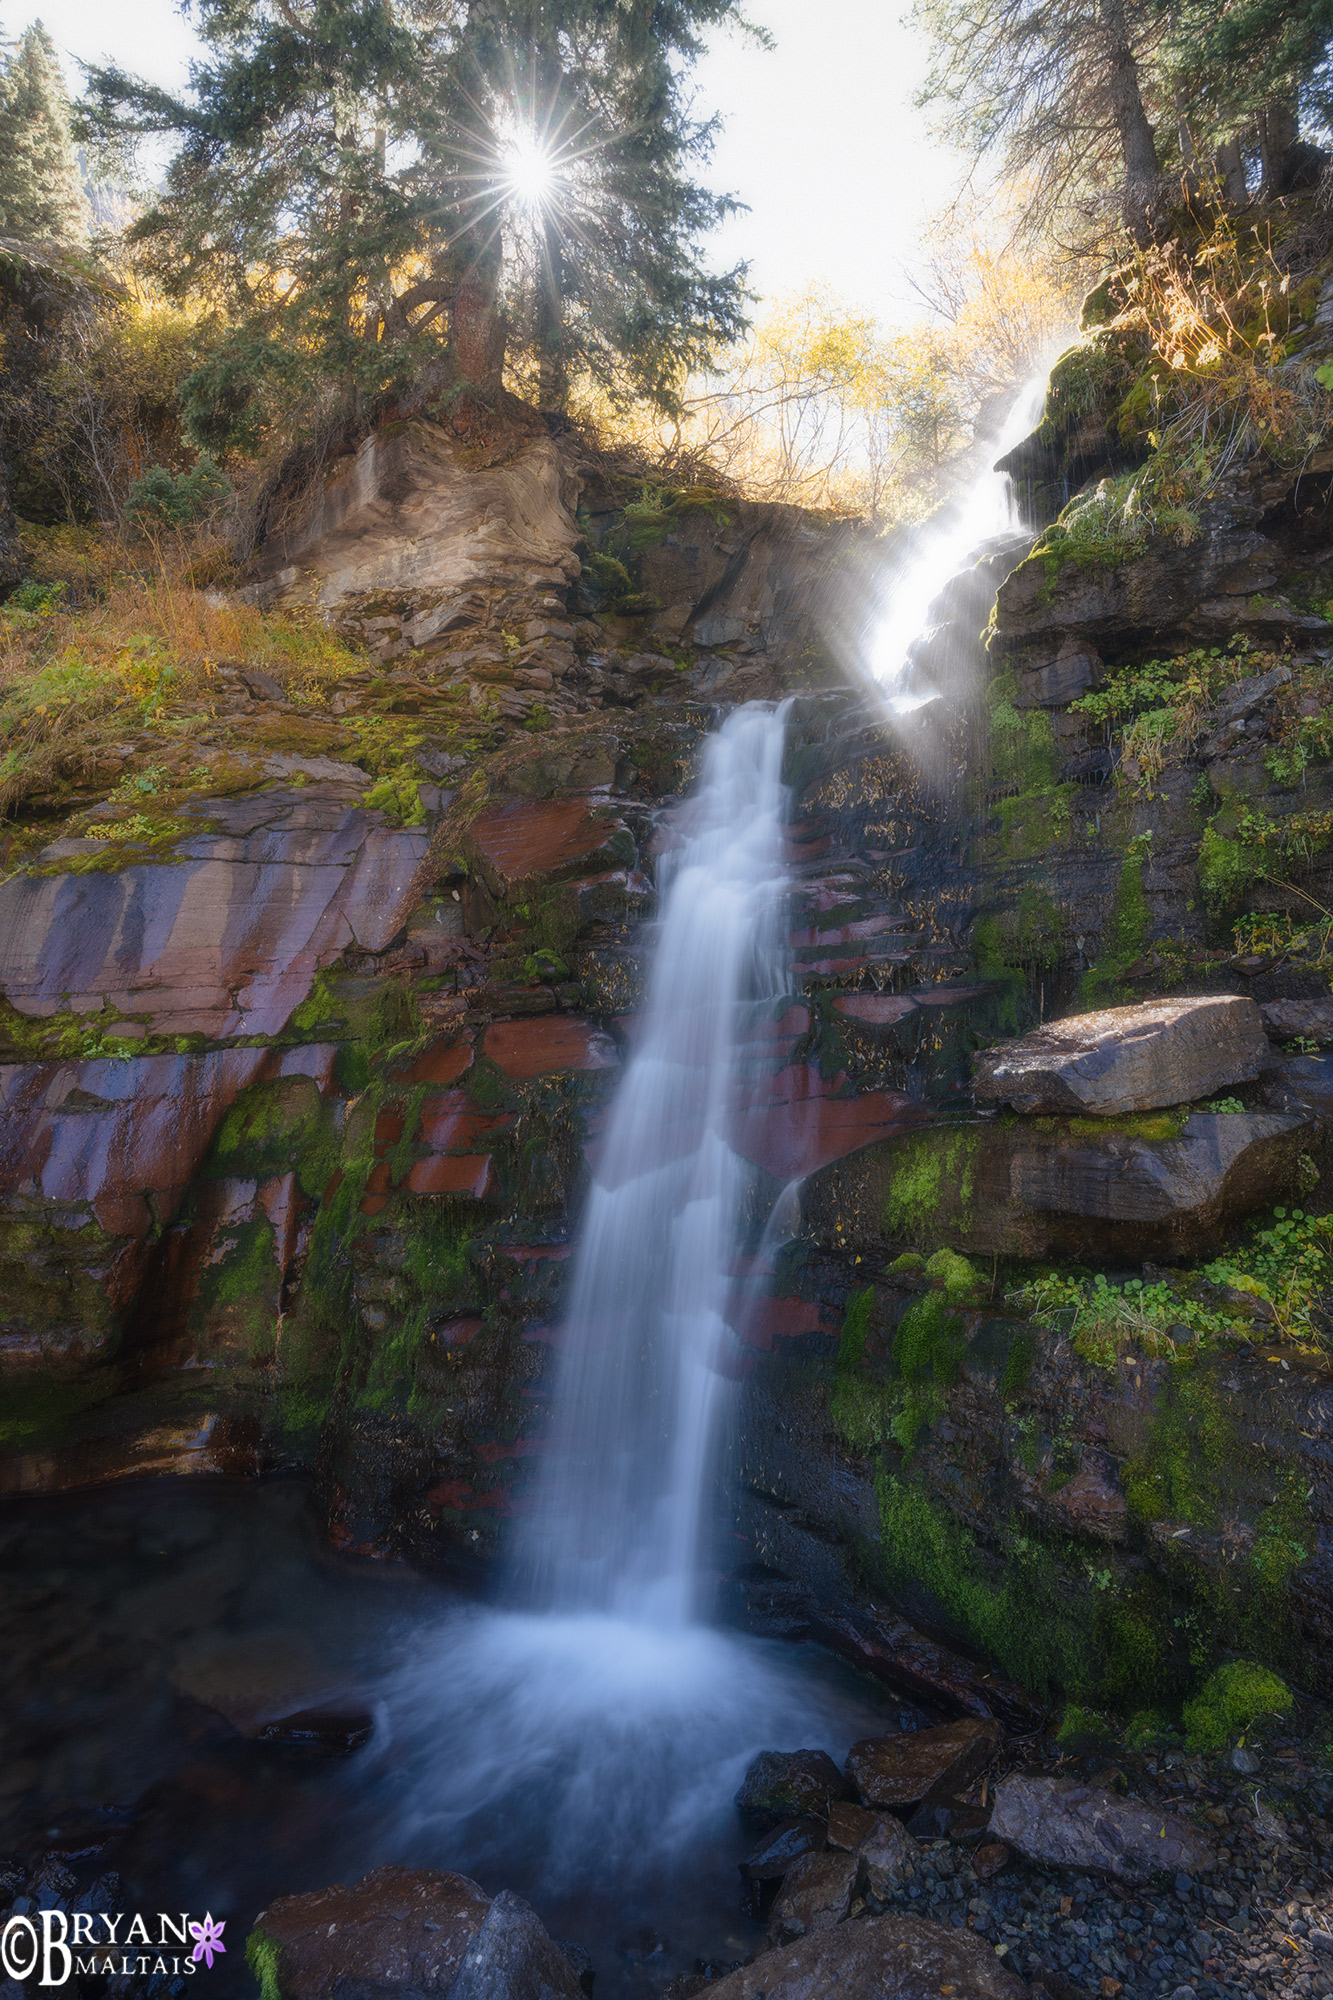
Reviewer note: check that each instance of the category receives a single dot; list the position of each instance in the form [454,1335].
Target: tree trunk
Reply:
[1131,123]
[552,373]
[1229,166]
[1279,134]
[476,324]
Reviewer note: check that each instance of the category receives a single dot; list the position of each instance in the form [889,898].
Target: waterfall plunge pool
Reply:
[148,1628]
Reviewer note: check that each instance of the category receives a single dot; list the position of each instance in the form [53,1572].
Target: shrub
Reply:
[173,501]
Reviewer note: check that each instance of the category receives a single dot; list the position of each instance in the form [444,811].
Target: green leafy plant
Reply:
[176,500]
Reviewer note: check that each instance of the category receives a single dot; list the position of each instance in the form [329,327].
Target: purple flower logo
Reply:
[209,1936]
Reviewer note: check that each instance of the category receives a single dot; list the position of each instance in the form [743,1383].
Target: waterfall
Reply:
[619,1510]
[986,512]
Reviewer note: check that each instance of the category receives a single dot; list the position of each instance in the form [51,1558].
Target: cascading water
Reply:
[602,1723]
[594,1732]
[618,1515]
[986,512]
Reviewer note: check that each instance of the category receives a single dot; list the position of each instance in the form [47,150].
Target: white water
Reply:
[619,1508]
[597,1732]
[986,511]
[604,1720]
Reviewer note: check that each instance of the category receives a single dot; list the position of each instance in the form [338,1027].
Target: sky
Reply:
[820,136]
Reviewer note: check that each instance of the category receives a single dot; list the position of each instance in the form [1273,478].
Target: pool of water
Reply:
[146,1631]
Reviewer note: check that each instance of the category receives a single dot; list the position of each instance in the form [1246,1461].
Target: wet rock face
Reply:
[1063,1823]
[403,1930]
[512,1958]
[1125,1059]
[879,1958]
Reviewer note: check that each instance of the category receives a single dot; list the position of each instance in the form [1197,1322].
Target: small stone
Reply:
[992,1858]
[1243,1762]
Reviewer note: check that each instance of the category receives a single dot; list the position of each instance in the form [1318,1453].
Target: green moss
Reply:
[1084,1729]
[1180,1472]
[40,1413]
[932,1176]
[1233,1698]
[855,1329]
[263,1955]
[960,1279]
[1226,870]
[1127,932]
[274,1127]
[1013,1611]
[1019,1361]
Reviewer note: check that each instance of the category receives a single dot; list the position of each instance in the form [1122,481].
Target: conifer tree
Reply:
[41,192]
[347,187]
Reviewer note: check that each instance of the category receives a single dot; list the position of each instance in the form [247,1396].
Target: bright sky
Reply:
[820,135]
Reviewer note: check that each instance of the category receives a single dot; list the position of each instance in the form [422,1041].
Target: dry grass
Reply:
[1224,321]
[144,654]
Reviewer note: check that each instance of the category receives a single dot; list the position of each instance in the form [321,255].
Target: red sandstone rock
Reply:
[875,1010]
[225,940]
[800,1125]
[550,1042]
[464,1173]
[445,1062]
[529,840]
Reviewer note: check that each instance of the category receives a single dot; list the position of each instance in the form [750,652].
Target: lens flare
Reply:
[529,172]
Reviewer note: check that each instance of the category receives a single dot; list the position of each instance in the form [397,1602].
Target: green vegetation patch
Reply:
[1233,1698]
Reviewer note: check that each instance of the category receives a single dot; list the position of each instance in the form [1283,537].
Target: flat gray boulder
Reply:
[876,1958]
[1126,1059]
[1062,1823]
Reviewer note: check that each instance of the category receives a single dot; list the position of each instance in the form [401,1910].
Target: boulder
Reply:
[849,1825]
[781,1782]
[399,1931]
[512,1958]
[816,1892]
[901,1770]
[1126,1059]
[1063,1823]
[763,1870]
[888,1854]
[882,1958]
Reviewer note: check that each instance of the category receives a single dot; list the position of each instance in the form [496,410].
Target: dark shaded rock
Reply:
[923,1668]
[991,1858]
[849,1825]
[901,1770]
[816,1892]
[323,1731]
[884,1958]
[888,1854]
[762,1870]
[792,1781]
[512,1958]
[1286,1020]
[948,1819]
[1126,1059]
[1063,1823]
[399,1930]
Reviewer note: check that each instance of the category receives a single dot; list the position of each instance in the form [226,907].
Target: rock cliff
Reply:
[301,1087]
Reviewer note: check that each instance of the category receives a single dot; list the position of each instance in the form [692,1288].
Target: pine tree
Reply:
[345,188]
[41,193]
[1062,86]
